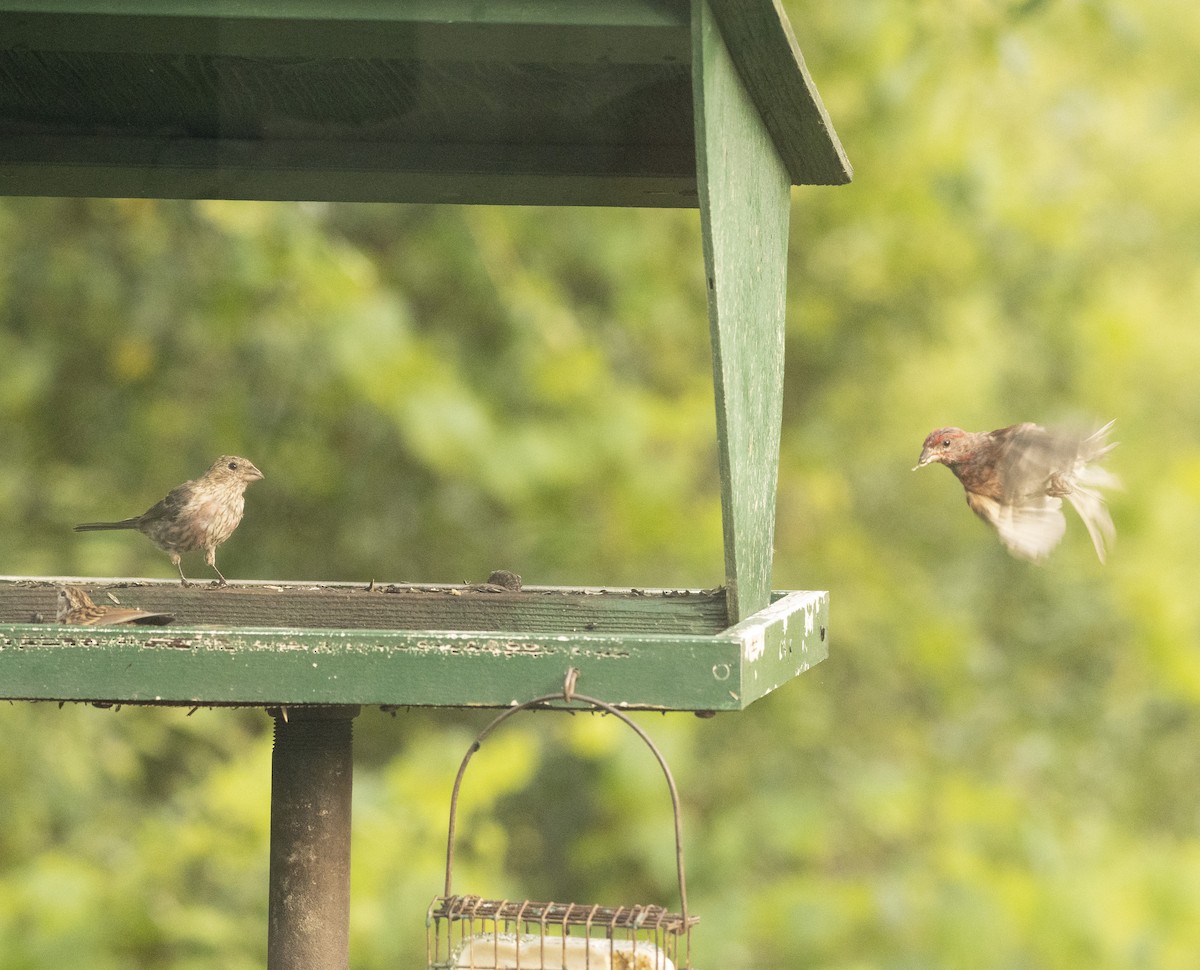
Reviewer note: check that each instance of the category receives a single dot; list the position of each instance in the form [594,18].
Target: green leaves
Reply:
[995,768]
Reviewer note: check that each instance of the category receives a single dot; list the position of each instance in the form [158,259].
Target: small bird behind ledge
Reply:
[1016,478]
[199,514]
[76,608]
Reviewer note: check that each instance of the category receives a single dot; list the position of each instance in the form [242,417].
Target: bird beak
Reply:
[252,473]
[926,458]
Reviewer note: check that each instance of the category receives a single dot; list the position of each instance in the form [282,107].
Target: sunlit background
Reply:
[996,767]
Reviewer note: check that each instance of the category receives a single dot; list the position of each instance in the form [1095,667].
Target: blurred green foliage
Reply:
[996,767]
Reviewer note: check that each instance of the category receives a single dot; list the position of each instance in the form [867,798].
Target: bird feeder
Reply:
[473,933]
[652,103]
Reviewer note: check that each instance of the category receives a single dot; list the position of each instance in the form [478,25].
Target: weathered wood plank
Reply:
[511,174]
[513,102]
[543,31]
[433,668]
[385,606]
[506,103]
[291,663]
[782,641]
[744,190]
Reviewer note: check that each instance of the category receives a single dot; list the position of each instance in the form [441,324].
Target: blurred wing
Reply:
[1060,462]
[1029,455]
[1029,530]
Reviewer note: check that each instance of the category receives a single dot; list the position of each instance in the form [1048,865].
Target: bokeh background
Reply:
[997,766]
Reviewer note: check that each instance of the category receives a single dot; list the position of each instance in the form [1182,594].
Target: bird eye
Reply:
[945,442]
[233,466]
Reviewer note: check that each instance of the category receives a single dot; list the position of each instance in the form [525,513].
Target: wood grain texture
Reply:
[379,172]
[616,31]
[389,606]
[289,663]
[538,102]
[744,205]
[509,103]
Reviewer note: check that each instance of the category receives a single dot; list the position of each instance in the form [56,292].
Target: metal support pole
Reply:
[311,774]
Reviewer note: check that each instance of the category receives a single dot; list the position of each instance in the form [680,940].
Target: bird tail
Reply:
[1089,503]
[1086,494]
[1096,445]
[98,526]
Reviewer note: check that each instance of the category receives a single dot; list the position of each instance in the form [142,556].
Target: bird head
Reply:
[70,599]
[949,446]
[234,468]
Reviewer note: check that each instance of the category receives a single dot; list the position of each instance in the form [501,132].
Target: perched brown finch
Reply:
[1016,478]
[76,607]
[499,581]
[200,514]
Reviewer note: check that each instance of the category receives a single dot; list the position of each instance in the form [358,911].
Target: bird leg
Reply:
[178,561]
[1058,486]
[210,556]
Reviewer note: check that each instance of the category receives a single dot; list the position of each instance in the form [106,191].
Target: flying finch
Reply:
[200,514]
[76,607]
[1016,478]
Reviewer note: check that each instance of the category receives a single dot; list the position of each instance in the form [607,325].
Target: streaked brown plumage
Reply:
[199,514]
[75,607]
[1016,478]
[499,581]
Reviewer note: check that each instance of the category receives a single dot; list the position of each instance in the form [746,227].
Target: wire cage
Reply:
[473,933]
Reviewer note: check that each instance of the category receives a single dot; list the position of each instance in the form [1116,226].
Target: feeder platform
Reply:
[273,644]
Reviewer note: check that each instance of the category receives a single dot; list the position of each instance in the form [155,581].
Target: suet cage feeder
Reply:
[465,932]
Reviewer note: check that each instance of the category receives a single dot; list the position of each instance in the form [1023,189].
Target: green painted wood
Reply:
[517,101]
[768,58]
[527,103]
[417,172]
[532,31]
[295,665]
[744,205]
[782,641]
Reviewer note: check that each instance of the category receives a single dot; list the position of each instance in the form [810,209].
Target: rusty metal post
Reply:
[311,774]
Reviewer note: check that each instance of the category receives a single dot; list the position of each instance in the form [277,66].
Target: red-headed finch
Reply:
[200,514]
[1016,478]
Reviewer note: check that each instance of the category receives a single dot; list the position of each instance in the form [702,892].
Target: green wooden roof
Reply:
[521,101]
